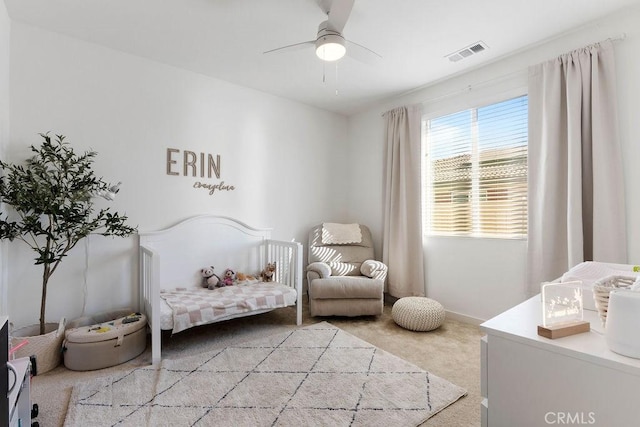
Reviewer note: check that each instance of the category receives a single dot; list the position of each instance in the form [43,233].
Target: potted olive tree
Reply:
[51,200]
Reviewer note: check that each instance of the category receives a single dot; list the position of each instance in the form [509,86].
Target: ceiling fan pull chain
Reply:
[324,80]
[336,78]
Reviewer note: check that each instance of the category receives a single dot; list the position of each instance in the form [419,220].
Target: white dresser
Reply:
[529,380]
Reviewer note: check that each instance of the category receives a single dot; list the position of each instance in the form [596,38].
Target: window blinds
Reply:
[476,171]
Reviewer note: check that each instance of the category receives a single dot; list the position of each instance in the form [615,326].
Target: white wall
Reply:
[284,158]
[480,278]
[4,132]
[131,110]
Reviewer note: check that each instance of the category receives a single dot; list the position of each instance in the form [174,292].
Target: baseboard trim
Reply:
[463,318]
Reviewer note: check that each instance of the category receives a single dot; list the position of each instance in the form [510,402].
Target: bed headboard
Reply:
[202,241]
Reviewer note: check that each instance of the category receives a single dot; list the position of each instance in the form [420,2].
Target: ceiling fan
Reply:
[330,44]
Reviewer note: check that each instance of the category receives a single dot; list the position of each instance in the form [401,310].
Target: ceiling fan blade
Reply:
[362,53]
[292,47]
[339,13]
[325,5]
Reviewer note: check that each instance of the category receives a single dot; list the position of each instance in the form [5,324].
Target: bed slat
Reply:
[288,259]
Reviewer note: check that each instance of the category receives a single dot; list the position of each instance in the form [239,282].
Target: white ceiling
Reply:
[226,38]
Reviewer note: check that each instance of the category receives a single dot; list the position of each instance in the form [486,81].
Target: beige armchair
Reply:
[343,278]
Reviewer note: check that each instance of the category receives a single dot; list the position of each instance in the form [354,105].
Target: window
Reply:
[475,171]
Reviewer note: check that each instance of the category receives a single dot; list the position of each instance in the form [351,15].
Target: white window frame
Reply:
[465,100]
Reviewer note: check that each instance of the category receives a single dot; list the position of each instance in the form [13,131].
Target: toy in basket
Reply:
[603,287]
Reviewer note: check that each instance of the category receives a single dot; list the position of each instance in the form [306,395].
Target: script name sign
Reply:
[198,165]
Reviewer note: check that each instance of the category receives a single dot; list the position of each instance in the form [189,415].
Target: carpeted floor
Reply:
[451,352]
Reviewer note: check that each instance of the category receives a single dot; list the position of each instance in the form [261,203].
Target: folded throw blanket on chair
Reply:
[340,234]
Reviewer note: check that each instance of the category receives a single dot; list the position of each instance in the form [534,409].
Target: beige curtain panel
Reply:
[576,187]
[402,244]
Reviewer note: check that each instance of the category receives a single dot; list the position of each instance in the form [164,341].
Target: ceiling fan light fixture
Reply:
[330,47]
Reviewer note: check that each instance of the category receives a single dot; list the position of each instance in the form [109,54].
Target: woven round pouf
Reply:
[418,313]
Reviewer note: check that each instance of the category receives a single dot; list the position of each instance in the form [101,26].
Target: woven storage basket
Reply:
[603,287]
[46,348]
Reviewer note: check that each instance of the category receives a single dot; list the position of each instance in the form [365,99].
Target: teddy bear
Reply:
[267,273]
[209,278]
[228,277]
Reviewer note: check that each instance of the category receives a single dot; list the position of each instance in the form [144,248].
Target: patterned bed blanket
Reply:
[199,306]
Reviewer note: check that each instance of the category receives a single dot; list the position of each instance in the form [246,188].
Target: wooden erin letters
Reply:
[190,164]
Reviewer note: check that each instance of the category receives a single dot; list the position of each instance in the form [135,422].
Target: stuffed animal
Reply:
[228,277]
[209,278]
[268,272]
[245,279]
[243,276]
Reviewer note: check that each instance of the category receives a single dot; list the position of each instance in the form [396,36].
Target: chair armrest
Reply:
[374,269]
[320,268]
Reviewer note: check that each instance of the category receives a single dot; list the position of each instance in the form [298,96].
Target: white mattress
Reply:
[166,316]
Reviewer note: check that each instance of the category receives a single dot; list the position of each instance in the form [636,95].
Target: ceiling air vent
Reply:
[467,51]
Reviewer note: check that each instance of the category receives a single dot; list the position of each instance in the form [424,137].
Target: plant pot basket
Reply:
[46,348]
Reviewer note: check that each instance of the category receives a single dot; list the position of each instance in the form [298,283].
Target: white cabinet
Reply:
[529,380]
[19,397]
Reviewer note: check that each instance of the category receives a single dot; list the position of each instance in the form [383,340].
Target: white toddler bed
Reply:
[171,260]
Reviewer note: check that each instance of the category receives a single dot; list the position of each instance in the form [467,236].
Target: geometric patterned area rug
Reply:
[318,375]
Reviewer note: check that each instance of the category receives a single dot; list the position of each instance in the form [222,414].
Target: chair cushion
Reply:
[375,269]
[345,268]
[339,287]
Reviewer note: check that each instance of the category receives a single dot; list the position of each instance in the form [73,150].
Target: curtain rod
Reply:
[619,37]
[469,87]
